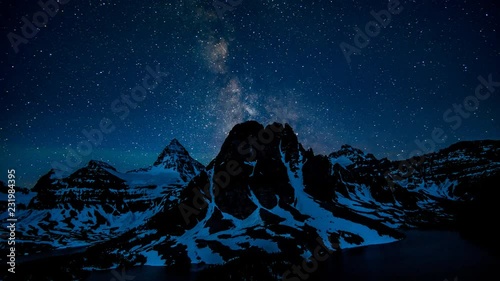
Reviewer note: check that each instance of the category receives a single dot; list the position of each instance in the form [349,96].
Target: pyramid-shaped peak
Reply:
[176,157]
[174,142]
[173,148]
[175,145]
[94,164]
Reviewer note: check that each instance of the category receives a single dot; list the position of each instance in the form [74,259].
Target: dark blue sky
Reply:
[264,60]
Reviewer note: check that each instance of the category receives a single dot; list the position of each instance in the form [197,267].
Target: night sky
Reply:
[263,60]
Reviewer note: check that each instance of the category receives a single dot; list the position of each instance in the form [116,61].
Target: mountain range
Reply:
[262,204]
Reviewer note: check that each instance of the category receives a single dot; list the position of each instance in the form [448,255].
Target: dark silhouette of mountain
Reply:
[263,196]
[97,202]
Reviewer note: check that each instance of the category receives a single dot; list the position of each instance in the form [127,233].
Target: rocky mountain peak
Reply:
[174,148]
[96,164]
[176,157]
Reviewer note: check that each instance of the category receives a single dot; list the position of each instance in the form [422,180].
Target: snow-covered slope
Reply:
[284,198]
[262,194]
[174,158]
[97,202]
[420,196]
[262,206]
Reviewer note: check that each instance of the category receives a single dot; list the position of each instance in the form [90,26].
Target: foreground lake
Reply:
[423,255]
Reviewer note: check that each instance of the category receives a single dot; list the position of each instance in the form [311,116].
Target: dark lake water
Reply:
[422,256]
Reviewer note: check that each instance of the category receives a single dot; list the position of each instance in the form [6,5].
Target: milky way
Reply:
[270,61]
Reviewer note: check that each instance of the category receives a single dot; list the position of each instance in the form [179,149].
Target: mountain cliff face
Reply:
[97,202]
[263,195]
[252,196]
[23,196]
[175,157]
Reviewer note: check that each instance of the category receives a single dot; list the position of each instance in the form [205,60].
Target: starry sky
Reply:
[225,63]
